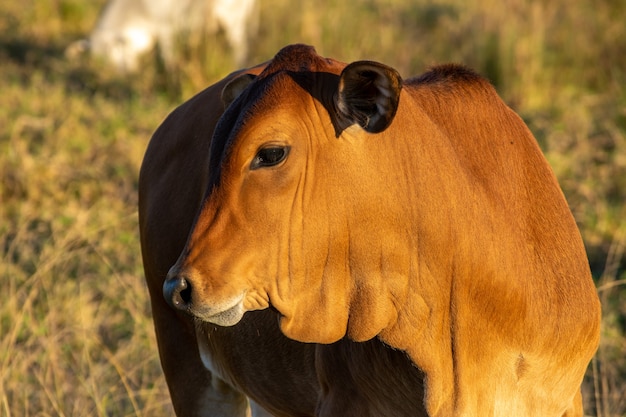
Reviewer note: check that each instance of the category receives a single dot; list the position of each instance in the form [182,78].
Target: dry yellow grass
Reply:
[76,335]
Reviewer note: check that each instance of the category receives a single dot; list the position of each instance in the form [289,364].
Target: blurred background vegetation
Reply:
[76,335]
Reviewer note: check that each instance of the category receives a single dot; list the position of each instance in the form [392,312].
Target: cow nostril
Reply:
[185,294]
[177,292]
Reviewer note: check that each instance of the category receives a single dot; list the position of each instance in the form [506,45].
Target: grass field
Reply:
[76,336]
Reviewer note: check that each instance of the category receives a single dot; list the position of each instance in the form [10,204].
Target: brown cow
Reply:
[253,357]
[356,211]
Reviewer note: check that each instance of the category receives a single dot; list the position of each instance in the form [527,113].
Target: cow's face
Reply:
[288,219]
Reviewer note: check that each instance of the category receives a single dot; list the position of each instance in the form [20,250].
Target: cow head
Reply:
[296,217]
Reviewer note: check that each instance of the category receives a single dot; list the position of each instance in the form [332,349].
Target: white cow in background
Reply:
[127,29]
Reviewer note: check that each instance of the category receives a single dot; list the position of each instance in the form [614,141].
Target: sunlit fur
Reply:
[444,236]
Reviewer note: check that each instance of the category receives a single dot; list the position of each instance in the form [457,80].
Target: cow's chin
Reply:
[227,317]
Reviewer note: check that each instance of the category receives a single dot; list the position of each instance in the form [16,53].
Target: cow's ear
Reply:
[235,87]
[368,95]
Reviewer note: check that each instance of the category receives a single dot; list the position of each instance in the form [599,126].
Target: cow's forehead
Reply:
[300,64]
[300,58]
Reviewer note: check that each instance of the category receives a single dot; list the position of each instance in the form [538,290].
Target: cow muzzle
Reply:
[180,294]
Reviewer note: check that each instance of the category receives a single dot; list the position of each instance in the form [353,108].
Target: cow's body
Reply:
[254,357]
[128,29]
[441,233]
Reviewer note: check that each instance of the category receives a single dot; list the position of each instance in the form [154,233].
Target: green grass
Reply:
[76,336]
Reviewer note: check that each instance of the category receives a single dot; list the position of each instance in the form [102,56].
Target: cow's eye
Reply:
[270,156]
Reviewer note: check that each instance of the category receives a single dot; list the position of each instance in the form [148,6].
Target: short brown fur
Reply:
[445,236]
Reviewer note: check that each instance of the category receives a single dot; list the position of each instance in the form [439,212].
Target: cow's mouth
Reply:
[229,316]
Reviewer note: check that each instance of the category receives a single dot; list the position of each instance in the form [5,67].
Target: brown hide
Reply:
[251,358]
[347,205]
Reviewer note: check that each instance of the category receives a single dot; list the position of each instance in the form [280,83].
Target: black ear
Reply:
[368,95]
[234,88]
